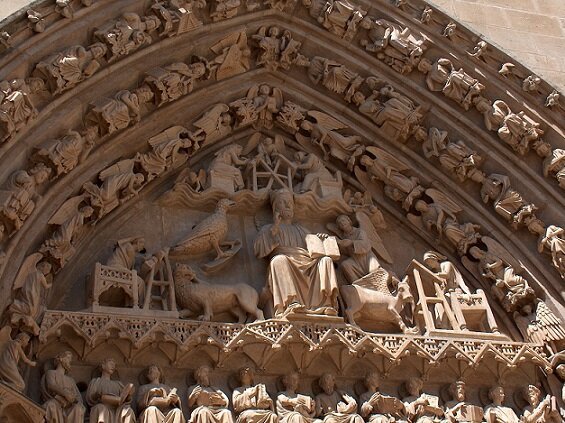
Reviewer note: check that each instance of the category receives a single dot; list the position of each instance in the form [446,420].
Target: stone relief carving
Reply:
[291,406]
[251,402]
[127,34]
[17,109]
[224,9]
[210,403]
[232,55]
[459,409]
[178,16]
[420,407]
[157,401]
[554,165]
[110,400]
[334,406]
[276,49]
[537,323]
[449,30]
[36,21]
[333,75]
[62,399]
[376,406]
[395,45]
[496,411]
[538,409]
[67,68]
[13,351]
[340,17]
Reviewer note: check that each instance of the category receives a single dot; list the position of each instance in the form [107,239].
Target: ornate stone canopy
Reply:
[167,128]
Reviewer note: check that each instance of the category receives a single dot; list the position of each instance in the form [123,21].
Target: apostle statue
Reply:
[63,403]
[496,412]
[11,356]
[298,281]
[458,409]
[421,407]
[291,406]
[158,403]
[211,404]
[377,407]
[334,406]
[109,399]
[252,403]
[538,410]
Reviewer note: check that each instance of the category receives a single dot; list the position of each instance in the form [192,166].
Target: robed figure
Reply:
[158,402]
[210,403]
[251,402]
[298,282]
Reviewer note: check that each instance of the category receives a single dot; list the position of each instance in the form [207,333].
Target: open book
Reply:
[471,413]
[389,405]
[322,248]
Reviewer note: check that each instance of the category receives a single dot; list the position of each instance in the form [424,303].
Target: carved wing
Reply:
[209,121]
[376,241]
[326,120]
[252,143]
[498,250]
[253,91]
[27,266]
[66,211]
[120,168]
[228,41]
[444,201]
[280,145]
[550,323]
[167,135]
[376,281]
[277,93]
[388,159]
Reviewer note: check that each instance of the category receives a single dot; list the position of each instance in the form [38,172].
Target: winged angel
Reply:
[259,106]
[323,133]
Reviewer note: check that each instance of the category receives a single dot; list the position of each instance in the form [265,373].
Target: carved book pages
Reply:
[433,403]
[305,401]
[471,413]
[318,247]
[389,405]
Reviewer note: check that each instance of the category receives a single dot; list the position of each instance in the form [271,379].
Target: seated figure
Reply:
[377,407]
[421,407]
[496,412]
[210,402]
[251,402]
[291,406]
[334,406]
[157,402]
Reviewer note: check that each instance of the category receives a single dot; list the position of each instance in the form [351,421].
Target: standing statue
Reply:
[298,281]
[293,407]
[334,406]
[109,399]
[63,402]
[252,403]
[29,296]
[377,407]
[158,403]
[538,410]
[13,353]
[421,407]
[496,412]
[211,404]
[458,409]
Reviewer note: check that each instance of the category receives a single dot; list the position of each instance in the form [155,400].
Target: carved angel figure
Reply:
[377,407]
[388,169]
[340,17]
[396,45]
[232,55]
[127,34]
[64,70]
[12,353]
[277,50]
[157,401]
[110,400]
[554,165]
[334,76]
[421,407]
[334,406]
[177,16]
[266,102]
[210,403]
[31,282]
[119,184]
[251,402]
[497,265]
[173,81]
[63,402]
[16,107]
[170,149]
[538,410]
[455,84]
[293,407]
[64,154]
[323,133]
[213,125]
[18,199]
[70,220]
[507,202]
[496,412]
[538,324]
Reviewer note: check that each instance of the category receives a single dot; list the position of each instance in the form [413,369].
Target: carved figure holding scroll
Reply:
[299,282]
[251,402]
[496,412]
[421,407]
[12,353]
[110,400]
[293,407]
[196,297]
[458,409]
[377,407]
[334,406]
[210,403]
[63,402]
[538,410]
[158,402]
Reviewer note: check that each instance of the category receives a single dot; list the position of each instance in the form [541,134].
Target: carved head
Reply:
[425,65]
[344,223]
[457,390]
[138,244]
[307,125]
[496,394]
[414,386]
[64,359]
[543,149]
[98,50]
[246,376]
[86,211]
[184,272]
[421,206]
[282,202]
[290,381]
[560,372]
[264,90]
[108,365]
[202,375]
[432,259]
[372,381]
[327,383]
[44,267]
[23,339]
[477,253]
[274,31]
[532,394]
[154,374]
[40,173]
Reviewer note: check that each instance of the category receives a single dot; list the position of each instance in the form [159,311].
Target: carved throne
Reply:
[106,278]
